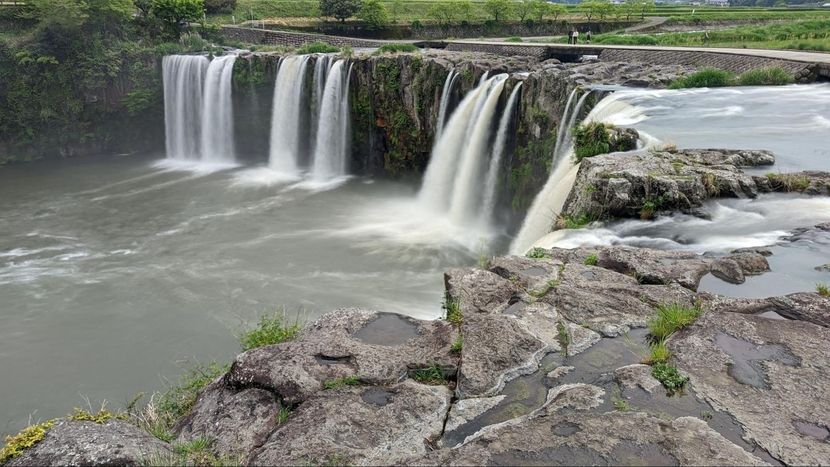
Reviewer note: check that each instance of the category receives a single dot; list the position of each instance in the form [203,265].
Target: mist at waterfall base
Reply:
[792,121]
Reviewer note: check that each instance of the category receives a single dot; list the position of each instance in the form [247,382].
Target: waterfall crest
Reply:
[548,203]
[459,159]
[286,121]
[446,95]
[198,113]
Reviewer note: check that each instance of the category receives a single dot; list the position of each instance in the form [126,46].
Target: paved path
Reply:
[652,22]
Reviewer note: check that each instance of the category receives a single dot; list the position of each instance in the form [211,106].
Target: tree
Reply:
[555,9]
[598,9]
[340,9]
[445,13]
[177,13]
[497,9]
[645,6]
[524,8]
[395,10]
[374,14]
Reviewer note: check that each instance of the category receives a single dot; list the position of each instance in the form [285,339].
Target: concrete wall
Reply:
[292,39]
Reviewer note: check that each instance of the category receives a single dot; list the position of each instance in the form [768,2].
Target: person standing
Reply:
[570,36]
[576,36]
[588,37]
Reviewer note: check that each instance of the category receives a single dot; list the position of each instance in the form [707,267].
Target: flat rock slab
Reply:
[335,346]
[358,426]
[773,376]
[478,290]
[88,443]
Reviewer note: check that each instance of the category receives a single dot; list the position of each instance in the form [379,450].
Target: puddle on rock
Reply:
[376,396]
[746,367]
[624,453]
[387,329]
[534,272]
[811,429]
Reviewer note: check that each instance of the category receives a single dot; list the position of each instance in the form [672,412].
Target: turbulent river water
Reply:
[118,272]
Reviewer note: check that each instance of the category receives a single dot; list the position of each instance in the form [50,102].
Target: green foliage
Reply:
[340,382]
[102,416]
[571,222]
[340,9]
[453,311]
[596,9]
[270,330]
[196,452]
[395,48]
[705,78]
[374,14]
[788,181]
[538,253]
[430,375]
[450,12]
[591,140]
[651,206]
[668,375]
[671,318]
[514,39]
[658,353]
[283,414]
[591,260]
[219,6]
[317,47]
[457,345]
[622,405]
[823,289]
[523,8]
[15,445]
[175,14]
[765,77]
[498,10]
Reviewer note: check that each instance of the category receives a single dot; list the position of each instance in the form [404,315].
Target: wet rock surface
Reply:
[87,443]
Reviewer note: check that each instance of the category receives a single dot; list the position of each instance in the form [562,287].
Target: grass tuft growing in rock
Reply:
[395,48]
[453,311]
[823,289]
[340,382]
[622,405]
[591,260]
[765,77]
[571,222]
[591,140]
[668,375]
[103,416]
[458,344]
[788,182]
[670,318]
[430,375]
[198,451]
[659,353]
[15,445]
[563,336]
[705,78]
[537,253]
[270,330]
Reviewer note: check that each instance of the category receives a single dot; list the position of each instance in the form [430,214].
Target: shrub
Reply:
[340,9]
[591,140]
[706,78]
[270,330]
[395,48]
[670,318]
[591,260]
[765,77]
[316,48]
[668,375]
[563,336]
[219,6]
[538,253]
[374,14]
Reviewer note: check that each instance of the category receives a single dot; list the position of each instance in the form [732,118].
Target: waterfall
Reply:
[549,202]
[217,117]
[491,182]
[332,143]
[286,121]
[452,183]
[198,113]
[182,76]
[318,87]
[446,95]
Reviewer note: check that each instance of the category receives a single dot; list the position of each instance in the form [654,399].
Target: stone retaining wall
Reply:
[292,39]
[802,71]
[499,49]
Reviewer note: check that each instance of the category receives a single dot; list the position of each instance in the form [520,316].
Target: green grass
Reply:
[563,336]
[458,344]
[574,222]
[622,405]
[788,181]
[395,48]
[705,78]
[100,417]
[514,39]
[316,48]
[823,289]
[431,375]
[340,382]
[671,318]
[591,260]
[658,353]
[198,451]
[537,253]
[669,376]
[453,311]
[270,330]
[765,77]
[591,140]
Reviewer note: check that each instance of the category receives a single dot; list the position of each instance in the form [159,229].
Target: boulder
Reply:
[728,270]
[359,425]
[115,442]
[651,266]
[477,290]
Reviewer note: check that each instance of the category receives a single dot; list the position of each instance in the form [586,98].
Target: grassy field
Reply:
[801,35]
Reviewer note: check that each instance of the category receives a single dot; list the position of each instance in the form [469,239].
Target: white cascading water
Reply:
[183,76]
[446,94]
[286,124]
[198,112]
[491,182]
[332,144]
[548,203]
[321,69]
[459,158]
[217,117]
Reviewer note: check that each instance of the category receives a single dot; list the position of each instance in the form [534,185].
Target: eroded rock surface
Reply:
[87,443]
